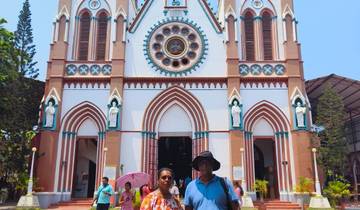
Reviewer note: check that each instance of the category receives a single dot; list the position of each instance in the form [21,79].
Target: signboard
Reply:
[237,173]
[110,172]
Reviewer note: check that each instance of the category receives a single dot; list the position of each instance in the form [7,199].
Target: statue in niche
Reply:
[49,115]
[113,115]
[235,113]
[300,111]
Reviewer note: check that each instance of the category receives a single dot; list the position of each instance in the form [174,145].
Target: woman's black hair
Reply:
[165,169]
[128,183]
[142,189]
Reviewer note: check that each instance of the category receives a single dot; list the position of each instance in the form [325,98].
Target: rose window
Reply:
[175,47]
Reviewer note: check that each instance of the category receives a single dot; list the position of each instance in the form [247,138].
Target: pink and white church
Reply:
[136,86]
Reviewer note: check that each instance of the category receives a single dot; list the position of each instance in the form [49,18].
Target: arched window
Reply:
[62,25]
[84,36]
[101,36]
[249,36]
[289,28]
[267,36]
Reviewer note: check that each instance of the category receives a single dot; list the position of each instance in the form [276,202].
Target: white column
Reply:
[243,181]
[104,164]
[30,184]
[317,182]
[236,30]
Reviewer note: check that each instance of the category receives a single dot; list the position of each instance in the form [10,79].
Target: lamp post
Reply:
[30,200]
[246,200]
[105,151]
[317,182]
[243,184]
[30,184]
[318,201]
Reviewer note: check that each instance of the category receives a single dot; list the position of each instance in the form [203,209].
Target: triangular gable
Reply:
[53,94]
[147,4]
[297,94]
[234,95]
[64,11]
[288,11]
[115,95]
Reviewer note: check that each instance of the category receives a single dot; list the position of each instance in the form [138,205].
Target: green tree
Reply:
[331,115]
[8,54]
[24,43]
[19,101]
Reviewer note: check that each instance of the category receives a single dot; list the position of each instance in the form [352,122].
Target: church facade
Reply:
[135,86]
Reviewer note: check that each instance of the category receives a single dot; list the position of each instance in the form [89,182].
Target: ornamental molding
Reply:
[264,69]
[84,69]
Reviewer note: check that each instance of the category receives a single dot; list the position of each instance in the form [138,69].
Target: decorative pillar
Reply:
[317,182]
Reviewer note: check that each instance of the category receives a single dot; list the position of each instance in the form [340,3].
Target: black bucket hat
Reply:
[207,155]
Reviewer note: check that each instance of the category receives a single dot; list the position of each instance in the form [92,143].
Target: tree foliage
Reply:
[8,55]
[19,101]
[24,43]
[331,115]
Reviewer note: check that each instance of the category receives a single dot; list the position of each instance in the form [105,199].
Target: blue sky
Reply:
[329,32]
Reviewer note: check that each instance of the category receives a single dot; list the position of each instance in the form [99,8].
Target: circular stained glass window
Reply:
[175,46]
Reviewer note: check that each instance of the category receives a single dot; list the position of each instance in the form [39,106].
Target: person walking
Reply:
[209,191]
[103,195]
[239,191]
[144,191]
[127,198]
[162,199]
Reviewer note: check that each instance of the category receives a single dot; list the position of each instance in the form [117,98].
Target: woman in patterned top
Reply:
[161,199]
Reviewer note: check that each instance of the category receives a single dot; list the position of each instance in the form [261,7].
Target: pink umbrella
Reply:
[137,179]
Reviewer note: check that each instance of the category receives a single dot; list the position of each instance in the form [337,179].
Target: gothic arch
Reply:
[280,124]
[153,113]
[266,109]
[184,98]
[71,123]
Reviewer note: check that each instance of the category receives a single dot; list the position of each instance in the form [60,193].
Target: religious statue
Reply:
[235,113]
[300,111]
[113,113]
[49,115]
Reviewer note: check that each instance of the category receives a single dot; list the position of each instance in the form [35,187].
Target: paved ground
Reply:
[7,206]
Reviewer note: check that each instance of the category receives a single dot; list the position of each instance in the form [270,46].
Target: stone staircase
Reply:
[78,204]
[276,205]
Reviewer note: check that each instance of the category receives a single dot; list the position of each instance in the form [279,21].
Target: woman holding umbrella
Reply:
[127,197]
[162,199]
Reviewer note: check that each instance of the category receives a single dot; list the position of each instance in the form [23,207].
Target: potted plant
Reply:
[304,190]
[261,187]
[337,191]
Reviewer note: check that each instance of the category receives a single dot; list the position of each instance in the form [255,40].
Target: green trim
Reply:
[148,134]
[201,134]
[184,72]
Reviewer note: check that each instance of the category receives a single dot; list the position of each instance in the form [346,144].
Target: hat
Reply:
[205,155]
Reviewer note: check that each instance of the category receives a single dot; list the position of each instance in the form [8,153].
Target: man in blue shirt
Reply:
[103,195]
[209,192]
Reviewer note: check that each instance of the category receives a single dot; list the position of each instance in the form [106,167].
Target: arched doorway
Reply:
[175,115]
[84,168]
[265,165]
[267,137]
[176,153]
[80,160]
